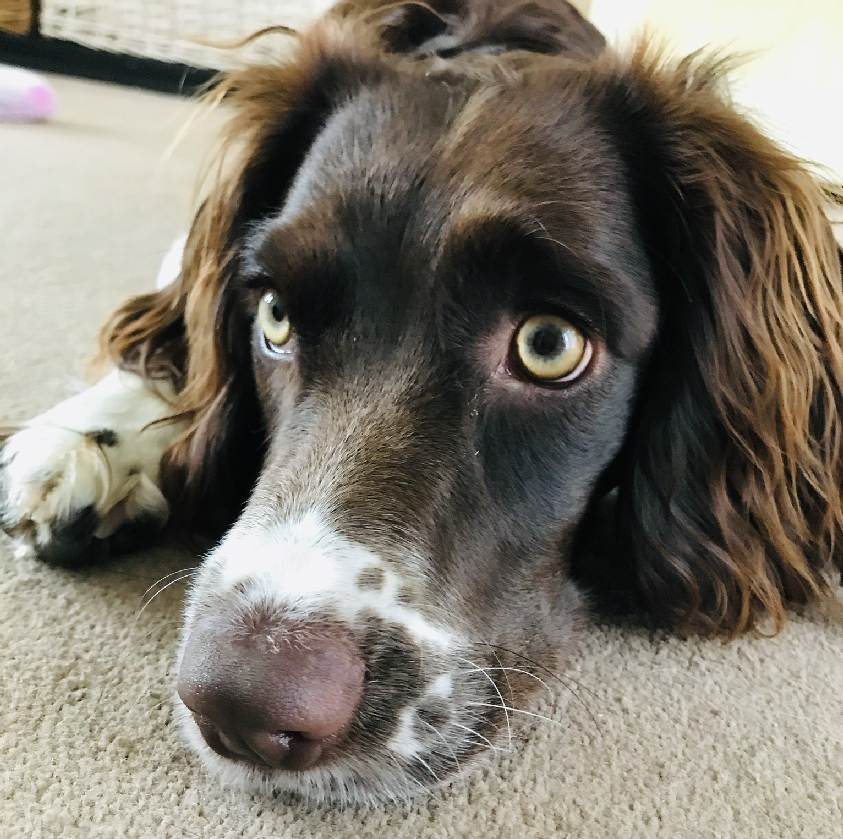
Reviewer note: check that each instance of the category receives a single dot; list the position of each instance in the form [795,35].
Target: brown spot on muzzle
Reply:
[393,680]
[406,595]
[371,579]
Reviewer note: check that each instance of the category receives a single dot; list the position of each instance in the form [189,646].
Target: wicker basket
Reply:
[170,30]
[177,31]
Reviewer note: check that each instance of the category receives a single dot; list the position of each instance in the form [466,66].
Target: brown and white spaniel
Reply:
[477,316]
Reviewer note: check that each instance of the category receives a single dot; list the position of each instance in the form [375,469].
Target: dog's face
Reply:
[459,304]
[445,340]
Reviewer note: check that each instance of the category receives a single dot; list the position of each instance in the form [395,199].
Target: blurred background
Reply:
[792,81]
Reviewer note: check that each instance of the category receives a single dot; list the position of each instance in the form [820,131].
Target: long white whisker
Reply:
[557,678]
[441,736]
[543,683]
[407,776]
[161,590]
[427,766]
[519,711]
[505,675]
[477,734]
[165,577]
[497,690]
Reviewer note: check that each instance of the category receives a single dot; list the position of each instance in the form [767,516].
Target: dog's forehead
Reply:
[401,177]
[450,152]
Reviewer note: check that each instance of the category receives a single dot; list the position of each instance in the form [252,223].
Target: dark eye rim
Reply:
[516,368]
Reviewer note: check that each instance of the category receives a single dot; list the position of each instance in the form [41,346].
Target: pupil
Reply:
[277,312]
[547,341]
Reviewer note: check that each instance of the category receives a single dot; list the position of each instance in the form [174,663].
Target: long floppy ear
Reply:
[193,332]
[731,489]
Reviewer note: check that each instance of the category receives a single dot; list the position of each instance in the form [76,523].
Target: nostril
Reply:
[286,749]
[278,750]
[235,745]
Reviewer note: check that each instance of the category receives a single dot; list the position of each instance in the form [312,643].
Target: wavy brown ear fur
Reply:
[192,332]
[731,495]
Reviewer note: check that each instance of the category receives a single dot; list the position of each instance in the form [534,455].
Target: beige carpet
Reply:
[669,738]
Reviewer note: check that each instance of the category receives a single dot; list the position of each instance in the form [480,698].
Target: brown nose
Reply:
[277,698]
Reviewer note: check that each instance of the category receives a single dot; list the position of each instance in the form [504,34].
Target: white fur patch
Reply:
[442,686]
[54,467]
[305,566]
[404,740]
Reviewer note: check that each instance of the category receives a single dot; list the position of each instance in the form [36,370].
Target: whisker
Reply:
[427,766]
[442,738]
[160,591]
[543,683]
[407,776]
[497,690]
[547,237]
[555,676]
[165,577]
[543,668]
[480,719]
[477,734]
[476,715]
[519,711]
[505,676]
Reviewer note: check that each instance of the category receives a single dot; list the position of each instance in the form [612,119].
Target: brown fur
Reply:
[773,364]
[770,363]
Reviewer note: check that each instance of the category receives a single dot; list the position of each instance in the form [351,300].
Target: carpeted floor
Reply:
[664,738]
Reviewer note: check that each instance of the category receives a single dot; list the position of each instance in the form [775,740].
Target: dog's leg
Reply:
[85,476]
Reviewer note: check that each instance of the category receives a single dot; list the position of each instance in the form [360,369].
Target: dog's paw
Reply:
[82,479]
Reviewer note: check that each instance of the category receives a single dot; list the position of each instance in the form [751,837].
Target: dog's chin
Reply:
[339,785]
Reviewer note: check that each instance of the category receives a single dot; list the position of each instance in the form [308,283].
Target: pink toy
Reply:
[24,96]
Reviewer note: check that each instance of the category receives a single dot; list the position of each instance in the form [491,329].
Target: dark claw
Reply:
[73,542]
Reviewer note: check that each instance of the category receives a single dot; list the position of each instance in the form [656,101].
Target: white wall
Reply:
[794,84]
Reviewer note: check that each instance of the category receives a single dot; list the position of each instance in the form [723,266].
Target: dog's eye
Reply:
[549,349]
[273,320]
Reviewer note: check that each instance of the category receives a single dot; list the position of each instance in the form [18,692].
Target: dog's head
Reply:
[481,306]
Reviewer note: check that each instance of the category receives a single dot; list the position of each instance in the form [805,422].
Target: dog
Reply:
[480,322]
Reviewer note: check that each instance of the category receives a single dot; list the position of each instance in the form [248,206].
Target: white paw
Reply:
[78,476]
